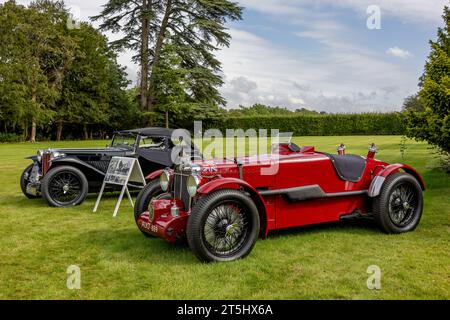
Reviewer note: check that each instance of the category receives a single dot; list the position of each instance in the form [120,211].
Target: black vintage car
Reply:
[64,177]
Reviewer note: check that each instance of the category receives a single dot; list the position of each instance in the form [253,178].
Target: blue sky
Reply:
[319,54]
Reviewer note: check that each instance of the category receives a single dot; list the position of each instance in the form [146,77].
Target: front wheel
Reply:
[399,206]
[223,226]
[145,196]
[64,186]
[24,179]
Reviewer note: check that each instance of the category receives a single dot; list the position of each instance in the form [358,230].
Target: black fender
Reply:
[34,158]
[76,163]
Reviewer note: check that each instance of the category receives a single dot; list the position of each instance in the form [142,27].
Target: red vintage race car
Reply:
[222,207]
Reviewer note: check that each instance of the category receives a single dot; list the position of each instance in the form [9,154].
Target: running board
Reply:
[355,215]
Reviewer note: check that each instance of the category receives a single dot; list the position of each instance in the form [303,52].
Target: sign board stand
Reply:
[121,170]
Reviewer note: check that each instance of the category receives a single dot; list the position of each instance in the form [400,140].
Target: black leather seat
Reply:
[348,167]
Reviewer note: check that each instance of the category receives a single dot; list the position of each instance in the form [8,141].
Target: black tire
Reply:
[246,221]
[57,179]
[150,191]
[24,182]
[398,208]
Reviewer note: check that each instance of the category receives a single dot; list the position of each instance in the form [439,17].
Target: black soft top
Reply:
[152,131]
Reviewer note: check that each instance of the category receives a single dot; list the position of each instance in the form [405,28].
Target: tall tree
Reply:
[51,72]
[195,27]
[433,124]
[137,21]
[37,53]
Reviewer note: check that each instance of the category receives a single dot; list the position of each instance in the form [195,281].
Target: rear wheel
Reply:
[399,206]
[223,226]
[64,186]
[24,178]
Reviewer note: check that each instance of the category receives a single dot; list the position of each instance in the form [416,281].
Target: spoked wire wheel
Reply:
[402,204]
[64,186]
[223,226]
[398,208]
[226,228]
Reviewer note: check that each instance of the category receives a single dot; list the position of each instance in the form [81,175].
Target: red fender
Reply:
[154,175]
[377,182]
[235,183]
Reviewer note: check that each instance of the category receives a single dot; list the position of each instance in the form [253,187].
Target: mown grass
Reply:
[38,243]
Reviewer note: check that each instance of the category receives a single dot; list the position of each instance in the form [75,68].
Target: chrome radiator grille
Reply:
[179,187]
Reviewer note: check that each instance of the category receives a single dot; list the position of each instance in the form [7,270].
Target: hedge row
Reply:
[323,125]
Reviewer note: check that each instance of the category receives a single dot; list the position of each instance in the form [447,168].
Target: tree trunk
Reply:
[90,135]
[145,34]
[157,55]
[59,128]
[33,121]
[167,119]
[85,132]
[25,131]
[33,131]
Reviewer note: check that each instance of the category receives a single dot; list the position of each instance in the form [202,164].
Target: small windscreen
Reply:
[285,137]
[123,141]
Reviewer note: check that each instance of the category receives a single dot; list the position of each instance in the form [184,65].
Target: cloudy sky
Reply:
[320,54]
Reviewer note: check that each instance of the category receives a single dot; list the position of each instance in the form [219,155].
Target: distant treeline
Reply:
[301,123]
[319,125]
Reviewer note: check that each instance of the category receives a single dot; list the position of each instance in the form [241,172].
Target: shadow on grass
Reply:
[132,245]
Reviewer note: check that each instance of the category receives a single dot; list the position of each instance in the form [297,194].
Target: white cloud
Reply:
[345,78]
[418,11]
[398,53]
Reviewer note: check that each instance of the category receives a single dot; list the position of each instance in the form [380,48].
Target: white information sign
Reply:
[121,171]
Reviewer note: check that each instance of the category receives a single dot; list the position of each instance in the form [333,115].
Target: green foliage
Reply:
[53,74]
[10,137]
[413,103]
[323,125]
[172,84]
[433,124]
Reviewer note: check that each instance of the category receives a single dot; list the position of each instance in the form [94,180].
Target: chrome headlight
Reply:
[55,155]
[192,184]
[39,155]
[164,180]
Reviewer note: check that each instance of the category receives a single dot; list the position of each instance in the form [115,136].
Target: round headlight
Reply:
[192,184]
[54,155]
[164,180]
[39,155]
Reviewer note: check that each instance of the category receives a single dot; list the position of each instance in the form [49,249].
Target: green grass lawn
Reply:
[38,243]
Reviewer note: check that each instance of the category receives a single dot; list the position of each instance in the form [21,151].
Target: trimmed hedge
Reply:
[321,125]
